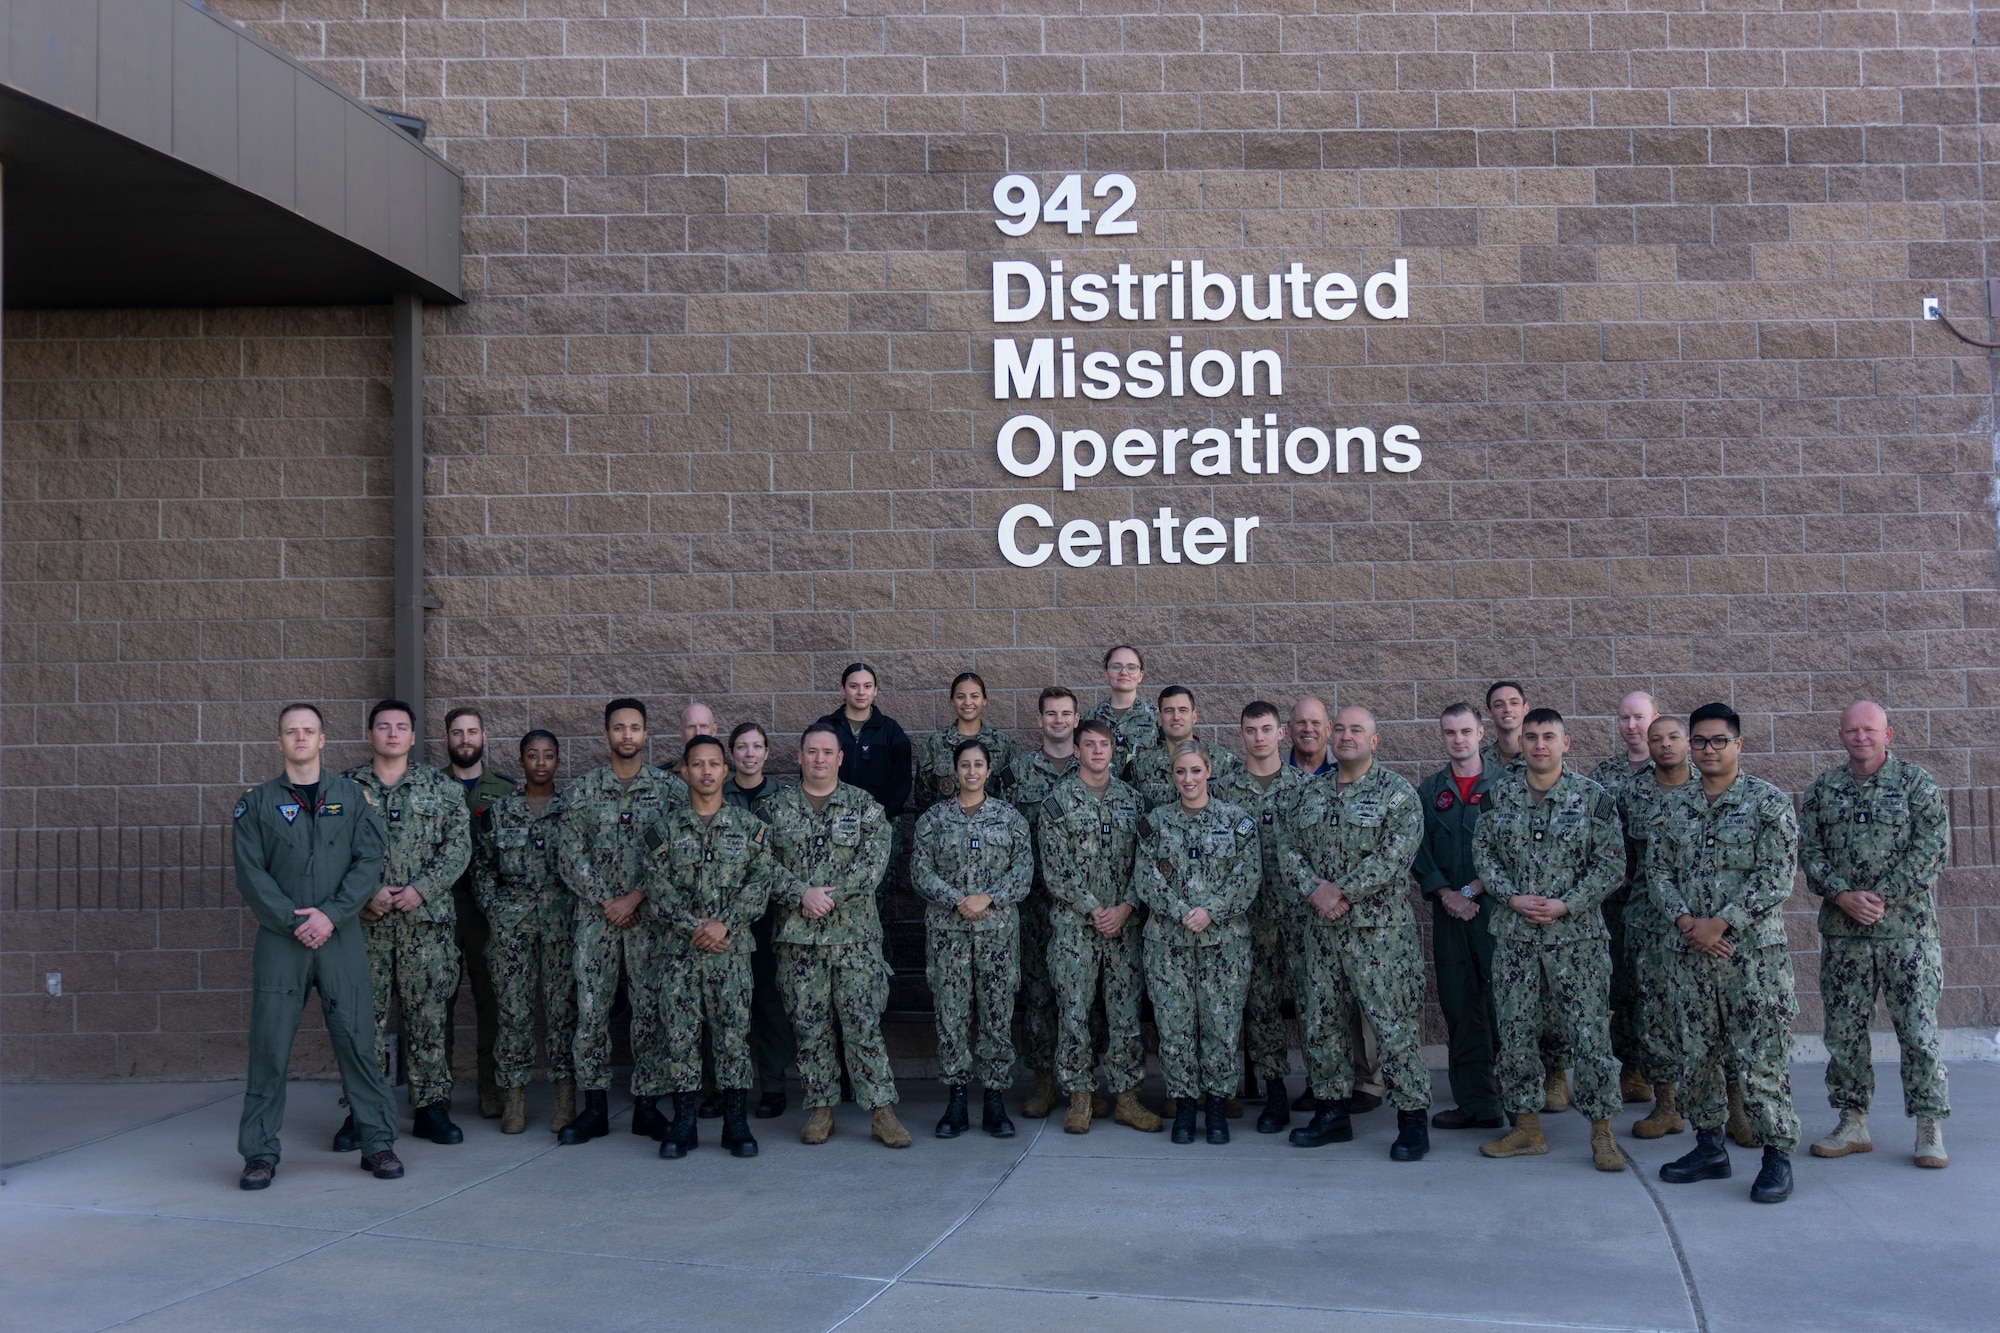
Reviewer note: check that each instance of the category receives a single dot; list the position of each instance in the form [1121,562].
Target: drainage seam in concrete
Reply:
[1673,1240]
[950,1231]
[116,1133]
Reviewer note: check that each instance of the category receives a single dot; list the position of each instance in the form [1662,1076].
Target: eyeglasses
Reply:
[1122,668]
[1711,742]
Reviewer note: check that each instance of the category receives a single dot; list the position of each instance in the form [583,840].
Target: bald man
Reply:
[1636,712]
[1308,731]
[1873,837]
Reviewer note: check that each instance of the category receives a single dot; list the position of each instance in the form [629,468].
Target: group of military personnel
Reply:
[1624,925]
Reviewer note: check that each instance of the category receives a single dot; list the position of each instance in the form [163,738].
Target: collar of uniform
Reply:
[1882,776]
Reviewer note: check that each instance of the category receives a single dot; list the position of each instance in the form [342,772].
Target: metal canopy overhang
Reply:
[157,155]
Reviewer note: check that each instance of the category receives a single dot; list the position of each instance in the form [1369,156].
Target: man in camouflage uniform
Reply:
[1135,724]
[606,814]
[973,864]
[833,841]
[1506,707]
[465,752]
[1720,866]
[1647,932]
[409,923]
[1548,852]
[1151,771]
[1269,789]
[1198,872]
[1033,777]
[531,941]
[1088,830]
[707,873]
[1357,831]
[1636,712]
[1873,839]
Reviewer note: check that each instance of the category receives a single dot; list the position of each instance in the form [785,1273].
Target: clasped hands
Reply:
[391,898]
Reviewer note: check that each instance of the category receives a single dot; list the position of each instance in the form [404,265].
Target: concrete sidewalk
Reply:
[120,1206]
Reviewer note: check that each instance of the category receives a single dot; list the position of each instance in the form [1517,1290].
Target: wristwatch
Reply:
[1467,893]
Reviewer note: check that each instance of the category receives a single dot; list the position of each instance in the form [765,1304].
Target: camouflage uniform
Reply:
[1087,843]
[1152,772]
[1887,834]
[714,869]
[473,936]
[1647,932]
[1135,729]
[1206,858]
[937,771]
[1276,918]
[531,939]
[770,1025]
[1554,1054]
[415,954]
[1029,782]
[1490,757]
[1567,845]
[1363,838]
[1613,775]
[832,970]
[602,829]
[1734,858]
[973,965]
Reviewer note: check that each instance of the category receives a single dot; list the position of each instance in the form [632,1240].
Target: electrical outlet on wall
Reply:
[1931,308]
[53,981]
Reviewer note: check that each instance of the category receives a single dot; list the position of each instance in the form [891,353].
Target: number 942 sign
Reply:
[1019,201]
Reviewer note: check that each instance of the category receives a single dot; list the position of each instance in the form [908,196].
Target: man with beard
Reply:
[465,746]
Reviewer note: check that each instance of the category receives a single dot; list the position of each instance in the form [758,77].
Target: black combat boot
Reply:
[1330,1124]
[994,1120]
[1184,1109]
[1709,1160]
[347,1138]
[736,1135]
[1774,1181]
[594,1123]
[954,1120]
[433,1122]
[1218,1118]
[1413,1137]
[1277,1107]
[646,1118]
[682,1134]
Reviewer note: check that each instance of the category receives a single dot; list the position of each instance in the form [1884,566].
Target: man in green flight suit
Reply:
[308,852]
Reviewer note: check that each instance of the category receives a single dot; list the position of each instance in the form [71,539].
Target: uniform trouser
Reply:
[1646,940]
[1378,970]
[838,991]
[770,1025]
[1738,1012]
[281,972]
[1909,974]
[1038,989]
[418,962]
[1626,1046]
[703,994]
[1274,963]
[1463,954]
[1534,978]
[1198,993]
[603,951]
[974,970]
[532,959]
[472,934]
[1082,966]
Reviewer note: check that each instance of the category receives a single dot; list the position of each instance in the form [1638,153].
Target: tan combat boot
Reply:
[1524,1140]
[1632,1085]
[1738,1124]
[1100,1105]
[1849,1136]
[513,1110]
[1604,1148]
[1043,1099]
[1077,1120]
[819,1125]
[886,1128]
[1930,1143]
[565,1107]
[1555,1093]
[1129,1111]
[1665,1118]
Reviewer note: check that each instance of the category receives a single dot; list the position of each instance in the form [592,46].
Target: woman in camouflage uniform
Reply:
[1135,724]
[973,863]
[531,916]
[937,763]
[1199,868]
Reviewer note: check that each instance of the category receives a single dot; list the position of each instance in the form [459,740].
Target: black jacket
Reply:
[877,760]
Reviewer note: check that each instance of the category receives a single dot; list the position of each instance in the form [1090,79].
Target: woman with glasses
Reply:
[1135,724]
[937,772]
[874,756]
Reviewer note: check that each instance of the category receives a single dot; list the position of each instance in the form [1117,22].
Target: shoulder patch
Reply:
[1604,808]
[1052,808]
[242,808]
